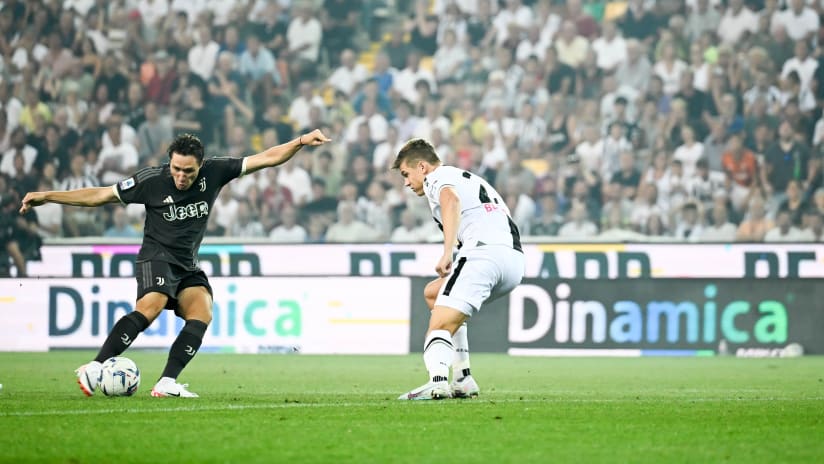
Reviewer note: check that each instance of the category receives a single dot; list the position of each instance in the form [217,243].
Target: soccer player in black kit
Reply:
[178,197]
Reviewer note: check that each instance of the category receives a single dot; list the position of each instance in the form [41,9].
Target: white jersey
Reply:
[485,218]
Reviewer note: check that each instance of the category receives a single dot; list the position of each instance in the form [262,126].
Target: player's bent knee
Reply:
[430,292]
[195,303]
[445,318]
[151,305]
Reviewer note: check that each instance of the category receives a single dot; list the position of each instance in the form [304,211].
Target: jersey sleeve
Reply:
[437,180]
[227,168]
[134,189]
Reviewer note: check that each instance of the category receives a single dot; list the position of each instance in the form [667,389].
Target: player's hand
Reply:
[314,138]
[444,266]
[31,200]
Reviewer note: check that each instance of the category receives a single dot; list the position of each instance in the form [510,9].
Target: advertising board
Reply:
[251,315]
[649,317]
[552,260]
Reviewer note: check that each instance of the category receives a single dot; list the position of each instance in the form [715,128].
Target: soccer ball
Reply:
[119,377]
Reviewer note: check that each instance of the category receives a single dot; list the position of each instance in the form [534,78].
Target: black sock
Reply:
[185,347]
[122,335]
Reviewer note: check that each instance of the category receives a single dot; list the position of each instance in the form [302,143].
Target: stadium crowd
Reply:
[694,121]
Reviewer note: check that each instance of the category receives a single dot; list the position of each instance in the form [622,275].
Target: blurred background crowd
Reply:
[696,120]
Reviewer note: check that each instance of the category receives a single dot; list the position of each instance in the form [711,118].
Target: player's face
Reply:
[184,170]
[413,176]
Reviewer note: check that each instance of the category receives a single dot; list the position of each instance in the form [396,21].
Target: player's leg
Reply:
[430,292]
[510,264]
[195,307]
[438,354]
[463,384]
[153,287]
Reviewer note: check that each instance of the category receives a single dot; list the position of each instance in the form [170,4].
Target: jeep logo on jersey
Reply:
[192,210]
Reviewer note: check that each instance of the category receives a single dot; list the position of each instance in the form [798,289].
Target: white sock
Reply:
[437,354]
[460,365]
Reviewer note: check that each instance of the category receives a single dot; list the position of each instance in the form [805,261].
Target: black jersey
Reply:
[175,219]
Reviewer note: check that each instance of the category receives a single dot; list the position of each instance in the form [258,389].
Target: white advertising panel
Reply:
[589,261]
[22,327]
[251,314]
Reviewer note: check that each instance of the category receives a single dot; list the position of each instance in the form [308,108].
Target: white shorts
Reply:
[479,275]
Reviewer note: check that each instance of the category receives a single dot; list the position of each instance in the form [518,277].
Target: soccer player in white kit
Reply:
[489,263]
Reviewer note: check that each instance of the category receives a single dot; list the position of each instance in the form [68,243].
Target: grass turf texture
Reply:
[343,409]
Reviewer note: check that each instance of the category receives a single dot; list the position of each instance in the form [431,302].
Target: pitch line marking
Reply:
[86,412]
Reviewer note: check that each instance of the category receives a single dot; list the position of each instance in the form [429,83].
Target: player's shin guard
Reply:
[185,347]
[437,355]
[460,365]
[122,335]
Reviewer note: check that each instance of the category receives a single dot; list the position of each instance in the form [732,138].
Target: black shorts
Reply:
[168,279]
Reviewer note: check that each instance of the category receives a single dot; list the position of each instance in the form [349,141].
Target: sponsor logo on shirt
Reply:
[190,211]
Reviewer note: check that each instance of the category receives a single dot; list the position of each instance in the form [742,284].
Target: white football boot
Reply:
[428,391]
[88,377]
[167,387]
[465,387]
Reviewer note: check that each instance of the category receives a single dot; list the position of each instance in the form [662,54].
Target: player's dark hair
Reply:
[187,145]
[416,150]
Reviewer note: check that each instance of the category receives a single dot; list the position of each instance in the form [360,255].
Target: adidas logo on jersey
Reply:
[168,199]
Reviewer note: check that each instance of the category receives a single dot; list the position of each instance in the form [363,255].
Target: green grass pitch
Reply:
[303,409]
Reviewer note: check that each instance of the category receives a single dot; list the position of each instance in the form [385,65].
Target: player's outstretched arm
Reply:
[94,196]
[284,152]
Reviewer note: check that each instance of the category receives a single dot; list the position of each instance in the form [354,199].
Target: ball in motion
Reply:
[119,377]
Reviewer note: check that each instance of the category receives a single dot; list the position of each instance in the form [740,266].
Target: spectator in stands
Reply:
[119,158]
[52,151]
[154,135]
[303,37]
[800,21]
[406,80]
[193,116]
[49,219]
[690,227]
[397,48]
[408,231]
[288,231]
[9,229]
[578,226]
[741,167]
[785,160]
[245,224]
[756,224]
[120,225]
[19,148]
[347,228]
[702,18]
[639,23]
[794,202]
[375,211]
[720,228]
[297,180]
[339,19]
[736,23]
[349,75]
[159,88]
[815,227]
[299,109]
[202,58]
[259,69]
[548,220]
[449,57]
[784,229]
